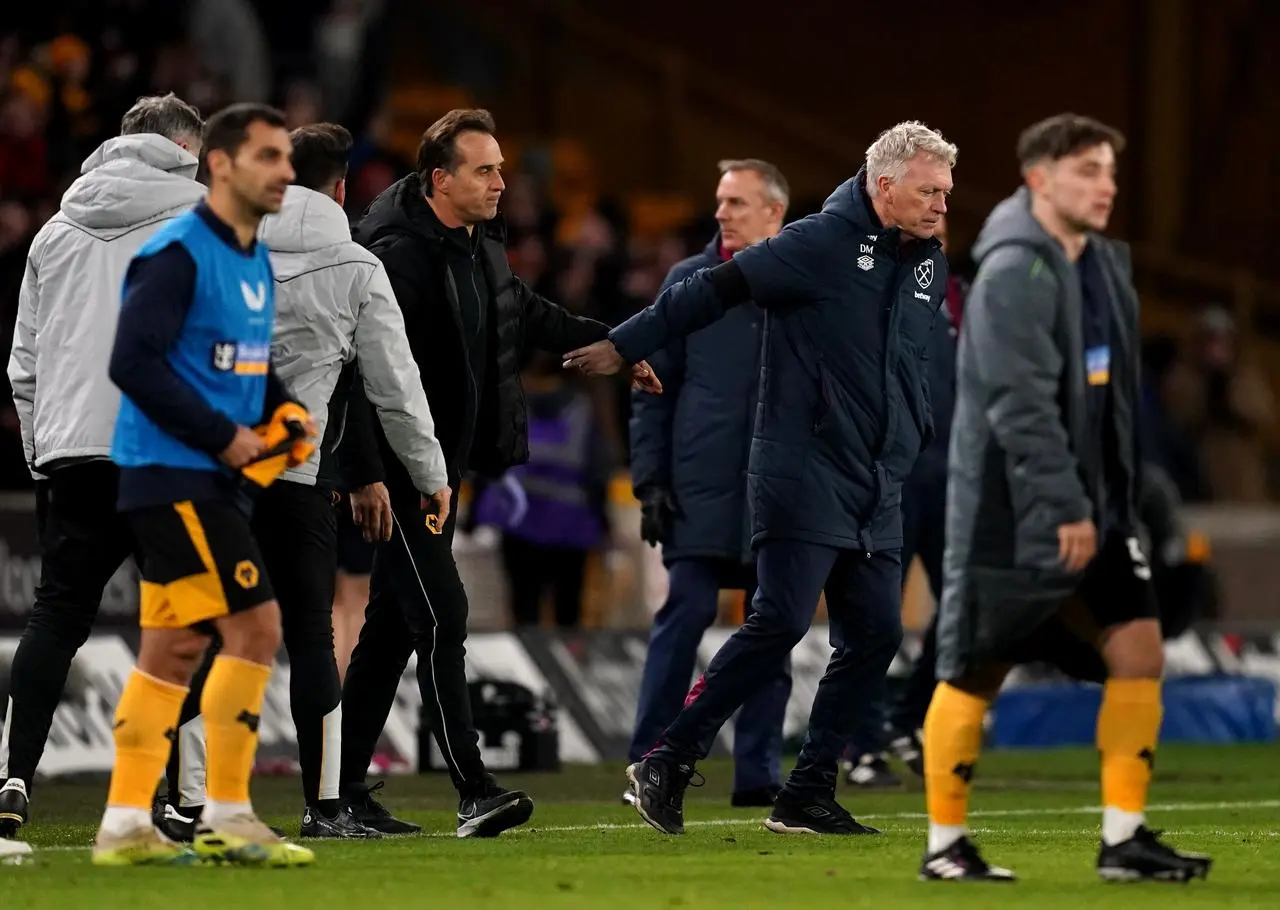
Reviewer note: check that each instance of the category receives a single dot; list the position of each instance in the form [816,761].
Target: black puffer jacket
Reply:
[482,429]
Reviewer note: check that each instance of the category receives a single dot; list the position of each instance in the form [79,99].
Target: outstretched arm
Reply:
[551,327]
[781,271]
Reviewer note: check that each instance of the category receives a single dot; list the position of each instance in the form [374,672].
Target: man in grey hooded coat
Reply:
[128,188]
[1043,559]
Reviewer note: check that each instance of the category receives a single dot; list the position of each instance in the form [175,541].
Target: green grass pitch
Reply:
[1033,811]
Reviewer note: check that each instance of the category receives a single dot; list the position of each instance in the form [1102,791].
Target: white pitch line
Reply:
[885,816]
[908,816]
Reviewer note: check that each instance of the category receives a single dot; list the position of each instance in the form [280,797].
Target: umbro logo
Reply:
[866,263]
[816,811]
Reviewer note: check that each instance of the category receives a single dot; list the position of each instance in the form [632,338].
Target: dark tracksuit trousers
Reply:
[863,596]
[84,541]
[924,502]
[690,609]
[296,527]
[416,604]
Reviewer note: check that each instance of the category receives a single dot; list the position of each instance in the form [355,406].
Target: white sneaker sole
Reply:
[14,852]
[516,806]
[778,827]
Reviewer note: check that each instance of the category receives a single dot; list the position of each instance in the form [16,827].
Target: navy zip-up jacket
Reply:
[693,440]
[843,407]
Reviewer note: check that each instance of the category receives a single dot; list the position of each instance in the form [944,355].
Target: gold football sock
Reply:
[232,705]
[146,724]
[952,741]
[1128,729]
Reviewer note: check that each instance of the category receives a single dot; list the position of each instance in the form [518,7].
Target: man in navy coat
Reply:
[689,450]
[924,501]
[850,296]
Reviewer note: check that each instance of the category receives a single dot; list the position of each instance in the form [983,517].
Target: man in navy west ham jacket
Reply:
[850,296]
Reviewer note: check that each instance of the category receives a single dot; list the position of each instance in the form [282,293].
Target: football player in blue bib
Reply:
[191,358]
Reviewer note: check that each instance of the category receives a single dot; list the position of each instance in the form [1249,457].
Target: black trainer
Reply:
[358,800]
[176,823]
[1144,858]
[872,772]
[493,813]
[659,788]
[343,826]
[13,807]
[812,815]
[760,797]
[961,862]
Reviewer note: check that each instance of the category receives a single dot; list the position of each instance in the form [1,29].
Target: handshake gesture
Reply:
[603,359]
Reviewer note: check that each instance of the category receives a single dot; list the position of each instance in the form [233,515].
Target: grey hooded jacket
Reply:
[70,296]
[334,303]
[1019,464]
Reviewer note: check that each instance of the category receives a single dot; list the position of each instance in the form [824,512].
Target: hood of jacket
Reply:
[130,180]
[307,221]
[849,201]
[1011,222]
[399,209]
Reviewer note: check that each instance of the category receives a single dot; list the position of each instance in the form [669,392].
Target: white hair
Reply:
[895,147]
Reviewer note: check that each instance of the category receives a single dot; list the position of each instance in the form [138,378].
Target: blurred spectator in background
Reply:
[24,152]
[1164,445]
[552,510]
[229,40]
[1224,404]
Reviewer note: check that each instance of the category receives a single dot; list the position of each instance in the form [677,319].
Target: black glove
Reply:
[657,510]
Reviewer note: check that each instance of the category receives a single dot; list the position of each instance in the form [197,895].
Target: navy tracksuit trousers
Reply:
[863,604]
[690,609]
[924,502]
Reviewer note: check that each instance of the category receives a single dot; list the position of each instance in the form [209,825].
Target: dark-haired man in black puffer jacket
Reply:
[468,318]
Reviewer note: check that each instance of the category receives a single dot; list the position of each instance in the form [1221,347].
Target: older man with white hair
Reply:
[850,295]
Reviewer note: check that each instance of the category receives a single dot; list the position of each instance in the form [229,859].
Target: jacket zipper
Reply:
[468,437]
[475,386]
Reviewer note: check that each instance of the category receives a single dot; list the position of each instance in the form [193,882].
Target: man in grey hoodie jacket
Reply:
[334,308]
[1043,560]
[128,188]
